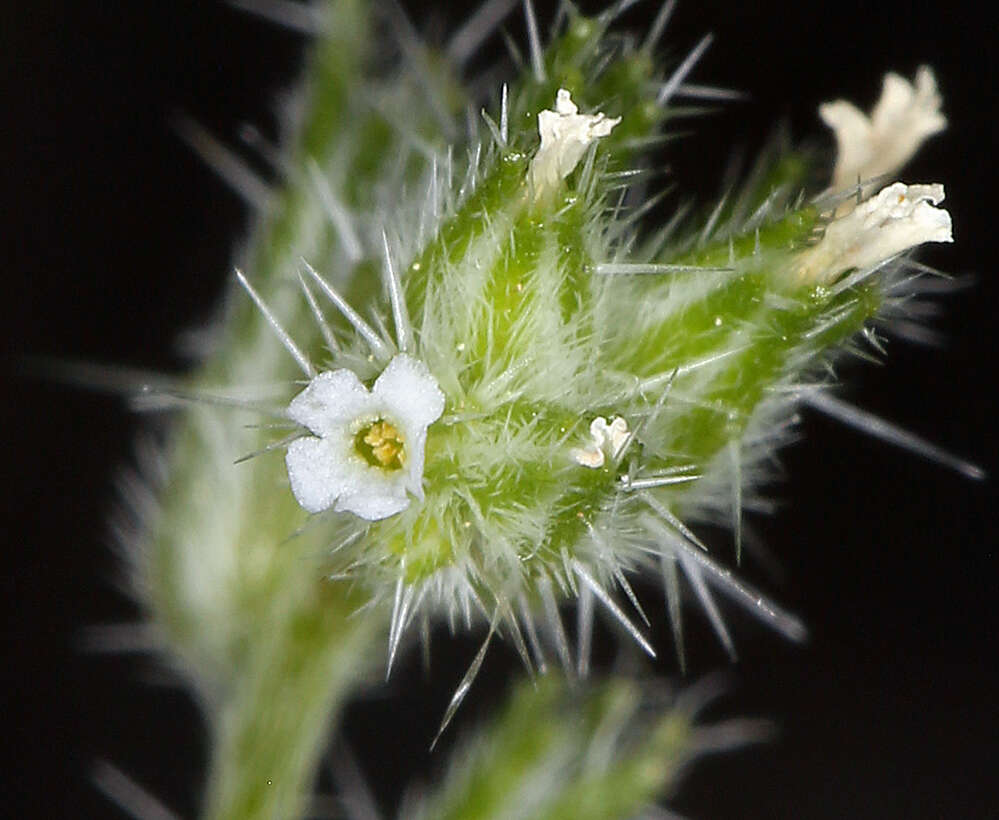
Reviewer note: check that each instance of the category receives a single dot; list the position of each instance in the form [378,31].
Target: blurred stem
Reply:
[271,732]
[266,639]
[304,652]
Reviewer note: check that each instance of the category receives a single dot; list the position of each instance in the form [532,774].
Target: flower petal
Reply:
[318,471]
[331,400]
[854,143]
[417,443]
[409,393]
[368,491]
[372,507]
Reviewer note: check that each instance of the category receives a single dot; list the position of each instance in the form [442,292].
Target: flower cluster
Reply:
[609,383]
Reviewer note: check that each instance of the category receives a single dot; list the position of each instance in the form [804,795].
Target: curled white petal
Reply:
[589,456]
[898,218]
[329,471]
[565,136]
[605,439]
[610,437]
[903,118]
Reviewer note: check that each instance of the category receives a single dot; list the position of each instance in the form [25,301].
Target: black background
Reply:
[116,239]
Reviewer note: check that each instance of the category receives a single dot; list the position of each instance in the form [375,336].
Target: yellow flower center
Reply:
[381,445]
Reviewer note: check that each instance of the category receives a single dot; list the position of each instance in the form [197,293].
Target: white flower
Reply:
[901,120]
[367,453]
[565,136]
[898,218]
[606,439]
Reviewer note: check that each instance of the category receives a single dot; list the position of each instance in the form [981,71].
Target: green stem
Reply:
[269,643]
[271,731]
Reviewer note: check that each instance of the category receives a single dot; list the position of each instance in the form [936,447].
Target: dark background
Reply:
[116,239]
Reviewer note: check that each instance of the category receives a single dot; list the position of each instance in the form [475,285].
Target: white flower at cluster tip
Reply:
[366,454]
[565,136]
[900,122]
[605,439]
[898,218]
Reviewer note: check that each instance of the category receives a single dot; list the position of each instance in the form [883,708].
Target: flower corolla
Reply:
[900,217]
[366,454]
[900,122]
[565,136]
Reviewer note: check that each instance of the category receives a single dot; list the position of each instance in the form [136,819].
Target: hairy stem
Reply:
[271,731]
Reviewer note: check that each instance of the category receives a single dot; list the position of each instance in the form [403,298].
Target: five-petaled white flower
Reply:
[902,119]
[565,136]
[367,453]
[898,218]
[605,439]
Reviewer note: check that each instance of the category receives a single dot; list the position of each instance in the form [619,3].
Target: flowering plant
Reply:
[567,391]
